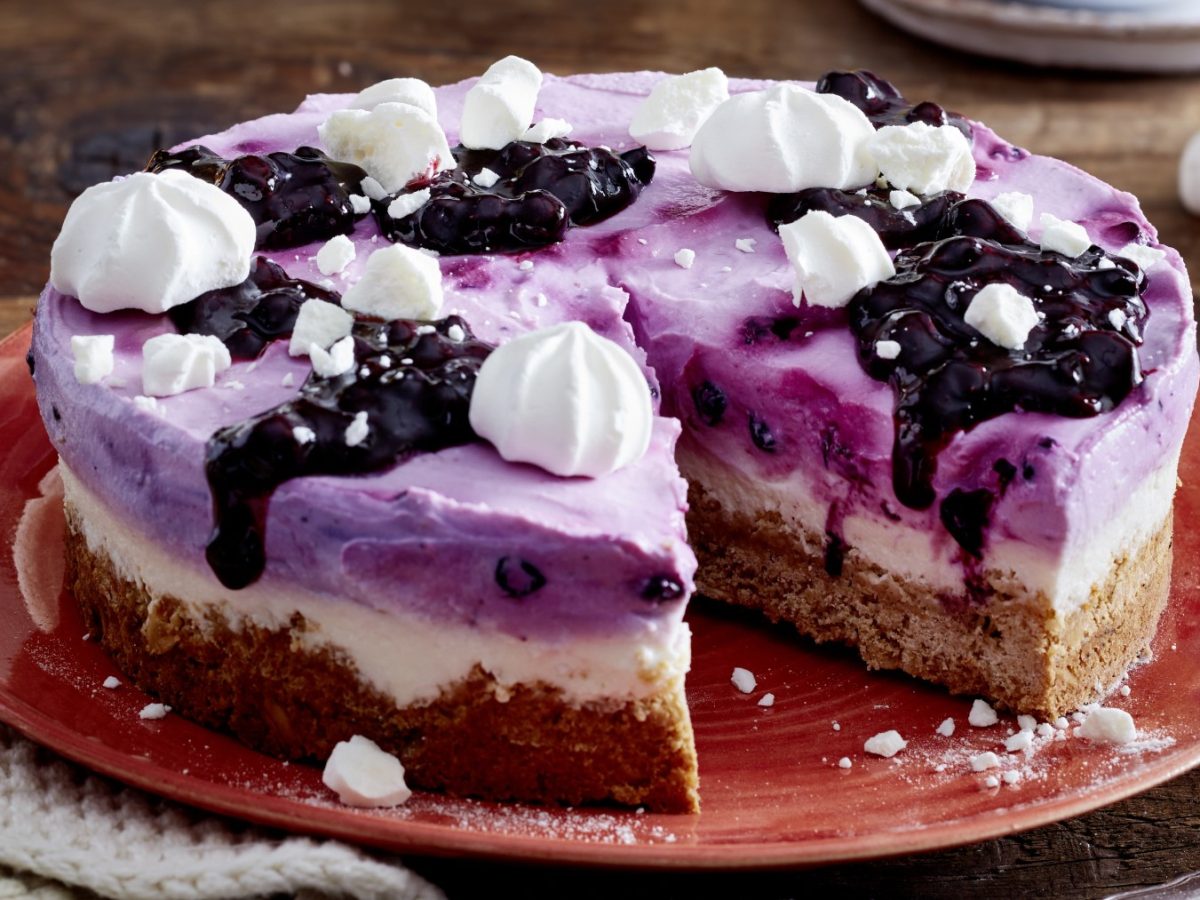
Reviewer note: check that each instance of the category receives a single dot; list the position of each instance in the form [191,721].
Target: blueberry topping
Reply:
[710,402]
[518,577]
[1007,472]
[248,316]
[294,198]
[949,378]
[413,382]
[542,189]
[883,104]
[897,228]
[965,515]
[760,433]
[29,360]
[659,588]
[835,554]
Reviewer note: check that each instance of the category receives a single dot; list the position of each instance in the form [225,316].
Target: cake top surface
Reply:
[727,320]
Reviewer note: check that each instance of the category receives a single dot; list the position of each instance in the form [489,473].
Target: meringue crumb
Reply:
[767,699]
[837,726]
[745,245]
[743,680]
[886,744]
[288,380]
[844,763]
[1012,776]
[357,431]
[981,762]
[946,729]
[685,257]
[991,781]
[112,682]
[1125,690]
[525,265]
[154,711]
[982,715]
[1026,723]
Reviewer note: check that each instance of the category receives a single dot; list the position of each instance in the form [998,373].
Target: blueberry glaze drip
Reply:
[1079,361]
[897,228]
[414,384]
[541,191]
[294,198]
[883,104]
[248,316]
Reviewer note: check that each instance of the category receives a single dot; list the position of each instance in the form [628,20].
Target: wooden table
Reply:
[88,90]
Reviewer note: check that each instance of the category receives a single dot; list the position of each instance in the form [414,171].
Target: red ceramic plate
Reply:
[772,789]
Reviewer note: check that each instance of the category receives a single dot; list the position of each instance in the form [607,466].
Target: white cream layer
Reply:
[1065,578]
[406,657]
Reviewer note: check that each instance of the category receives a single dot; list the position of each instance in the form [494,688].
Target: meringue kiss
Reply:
[566,399]
[151,242]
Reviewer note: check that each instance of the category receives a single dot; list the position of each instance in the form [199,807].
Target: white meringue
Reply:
[412,91]
[397,282]
[93,356]
[318,322]
[396,143]
[362,774]
[499,107]
[782,140]
[923,158]
[1016,208]
[151,242]
[566,399]
[1064,236]
[174,363]
[676,107]
[1002,315]
[834,257]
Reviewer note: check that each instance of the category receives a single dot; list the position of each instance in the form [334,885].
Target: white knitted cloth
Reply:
[60,822]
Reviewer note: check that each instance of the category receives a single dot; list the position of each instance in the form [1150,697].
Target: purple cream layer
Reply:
[427,534]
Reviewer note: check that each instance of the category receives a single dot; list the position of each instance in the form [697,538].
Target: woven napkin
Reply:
[62,826]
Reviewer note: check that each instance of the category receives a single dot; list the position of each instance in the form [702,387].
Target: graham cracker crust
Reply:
[476,739]
[1010,647]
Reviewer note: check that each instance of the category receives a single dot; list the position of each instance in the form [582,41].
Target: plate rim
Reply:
[433,839]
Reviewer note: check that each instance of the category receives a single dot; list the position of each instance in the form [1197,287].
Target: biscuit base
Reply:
[479,739]
[1008,645]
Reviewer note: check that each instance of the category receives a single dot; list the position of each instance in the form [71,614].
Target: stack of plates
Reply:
[1128,35]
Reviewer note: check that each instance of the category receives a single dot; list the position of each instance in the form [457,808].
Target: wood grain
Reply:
[88,90]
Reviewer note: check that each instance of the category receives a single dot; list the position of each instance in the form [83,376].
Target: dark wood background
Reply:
[88,90]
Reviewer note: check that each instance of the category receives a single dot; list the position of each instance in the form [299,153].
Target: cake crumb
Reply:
[844,763]
[743,680]
[981,762]
[982,715]
[946,729]
[154,711]
[767,699]
[886,744]
[112,682]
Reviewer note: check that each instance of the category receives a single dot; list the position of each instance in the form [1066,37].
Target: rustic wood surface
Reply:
[88,90]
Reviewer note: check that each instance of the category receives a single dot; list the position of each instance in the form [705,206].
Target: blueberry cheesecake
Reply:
[374,418]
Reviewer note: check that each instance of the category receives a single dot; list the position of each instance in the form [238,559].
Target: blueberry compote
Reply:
[1080,360]
[248,316]
[411,379]
[883,104]
[541,190]
[897,228]
[294,198]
